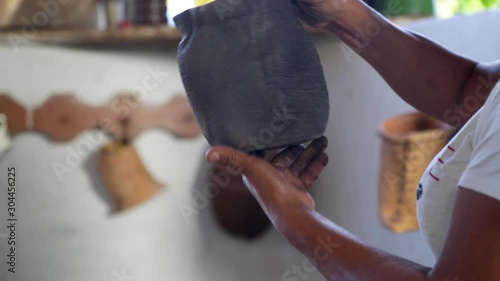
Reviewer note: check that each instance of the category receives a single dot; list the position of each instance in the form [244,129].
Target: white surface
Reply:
[5,141]
[65,229]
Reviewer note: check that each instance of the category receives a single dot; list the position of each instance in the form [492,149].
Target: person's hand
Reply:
[319,13]
[282,183]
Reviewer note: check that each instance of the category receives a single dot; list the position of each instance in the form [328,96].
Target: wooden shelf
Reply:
[128,36]
[133,35]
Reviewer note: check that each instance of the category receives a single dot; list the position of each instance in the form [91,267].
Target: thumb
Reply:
[224,156]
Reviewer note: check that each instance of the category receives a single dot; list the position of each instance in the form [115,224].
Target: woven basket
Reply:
[409,143]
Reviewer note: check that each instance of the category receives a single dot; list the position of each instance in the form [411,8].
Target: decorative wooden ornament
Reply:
[63,117]
[15,113]
[409,143]
[175,116]
[126,179]
[178,117]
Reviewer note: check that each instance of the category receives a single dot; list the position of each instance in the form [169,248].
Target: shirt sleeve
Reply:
[483,172]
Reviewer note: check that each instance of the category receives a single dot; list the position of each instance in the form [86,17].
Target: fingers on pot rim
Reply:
[309,156]
[286,157]
[312,172]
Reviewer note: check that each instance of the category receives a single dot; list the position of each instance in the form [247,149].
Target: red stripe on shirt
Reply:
[433,176]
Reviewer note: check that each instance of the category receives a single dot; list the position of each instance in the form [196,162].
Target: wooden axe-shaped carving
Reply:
[63,117]
[15,113]
[175,116]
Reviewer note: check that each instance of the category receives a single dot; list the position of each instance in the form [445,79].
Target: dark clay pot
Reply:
[252,74]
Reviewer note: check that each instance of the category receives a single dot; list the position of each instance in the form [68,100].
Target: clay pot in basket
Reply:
[252,74]
[409,143]
[236,209]
[127,181]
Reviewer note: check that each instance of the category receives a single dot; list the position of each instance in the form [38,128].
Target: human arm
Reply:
[471,251]
[429,77]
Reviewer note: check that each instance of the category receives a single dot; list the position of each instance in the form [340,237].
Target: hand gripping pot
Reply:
[252,74]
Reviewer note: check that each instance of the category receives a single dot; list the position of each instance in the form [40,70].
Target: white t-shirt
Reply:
[471,160]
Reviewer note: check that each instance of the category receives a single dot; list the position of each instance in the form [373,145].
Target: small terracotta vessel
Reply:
[236,209]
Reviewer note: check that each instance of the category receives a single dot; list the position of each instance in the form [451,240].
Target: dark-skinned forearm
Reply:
[424,74]
[337,254]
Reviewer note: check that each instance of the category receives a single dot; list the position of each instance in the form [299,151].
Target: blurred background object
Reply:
[449,8]
[409,143]
[7,10]
[420,8]
[175,7]
[114,12]
[146,11]
[48,14]
[202,2]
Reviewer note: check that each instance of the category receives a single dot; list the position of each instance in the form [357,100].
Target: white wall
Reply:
[65,229]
